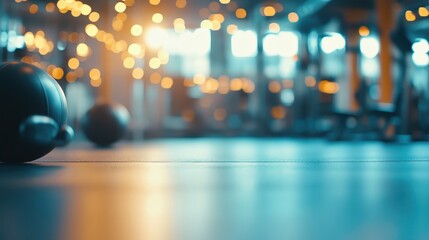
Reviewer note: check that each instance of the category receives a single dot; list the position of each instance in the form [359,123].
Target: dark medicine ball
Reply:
[105,123]
[33,112]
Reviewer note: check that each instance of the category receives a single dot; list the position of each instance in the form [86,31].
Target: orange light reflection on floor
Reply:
[118,204]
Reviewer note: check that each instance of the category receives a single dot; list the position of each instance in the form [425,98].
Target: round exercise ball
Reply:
[105,123]
[33,110]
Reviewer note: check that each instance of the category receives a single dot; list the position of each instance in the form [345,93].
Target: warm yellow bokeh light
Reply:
[136,30]
[63,10]
[96,82]
[268,11]
[199,79]
[187,82]
[76,4]
[217,17]
[121,45]
[423,12]
[108,38]
[135,49]
[40,33]
[44,51]
[179,28]
[293,17]
[248,86]
[364,31]
[181,3]
[154,63]
[138,73]
[274,27]
[85,9]
[163,56]
[50,7]
[179,25]
[236,84]
[94,73]
[206,24]
[61,5]
[57,73]
[166,82]
[129,62]
[179,21]
[409,16]
[101,35]
[39,41]
[117,25]
[154,2]
[216,25]
[94,16]
[120,7]
[82,50]
[240,13]
[274,87]
[122,16]
[157,18]
[155,78]
[212,85]
[29,38]
[328,87]
[91,30]
[71,77]
[73,63]
[75,12]
[232,28]
[33,9]
[224,1]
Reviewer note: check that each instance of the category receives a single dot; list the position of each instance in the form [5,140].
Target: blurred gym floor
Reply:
[217,188]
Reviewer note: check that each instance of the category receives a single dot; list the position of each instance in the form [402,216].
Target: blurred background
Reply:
[341,69]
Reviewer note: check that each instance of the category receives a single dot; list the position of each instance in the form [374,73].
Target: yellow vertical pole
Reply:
[385,12]
[105,88]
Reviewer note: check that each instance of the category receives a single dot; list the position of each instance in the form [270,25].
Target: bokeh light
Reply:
[120,7]
[136,30]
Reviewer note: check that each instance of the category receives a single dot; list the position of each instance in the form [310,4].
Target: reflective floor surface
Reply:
[204,189]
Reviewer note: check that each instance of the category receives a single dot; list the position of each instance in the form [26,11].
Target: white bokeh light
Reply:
[421,46]
[156,37]
[420,59]
[421,49]
[332,42]
[195,43]
[283,44]
[369,46]
[244,44]
[270,45]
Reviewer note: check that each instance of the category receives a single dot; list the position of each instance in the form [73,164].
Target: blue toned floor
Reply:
[235,188]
